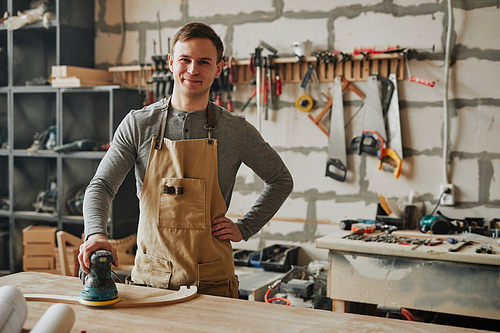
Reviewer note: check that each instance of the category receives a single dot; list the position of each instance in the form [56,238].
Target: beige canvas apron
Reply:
[179,199]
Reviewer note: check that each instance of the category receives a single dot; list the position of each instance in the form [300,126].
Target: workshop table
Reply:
[429,278]
[200,314]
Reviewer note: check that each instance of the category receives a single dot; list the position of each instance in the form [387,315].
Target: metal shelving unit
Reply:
[77,113]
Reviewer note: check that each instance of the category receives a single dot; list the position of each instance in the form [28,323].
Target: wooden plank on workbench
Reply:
[201,314]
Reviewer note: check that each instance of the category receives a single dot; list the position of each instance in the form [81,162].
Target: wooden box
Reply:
[32,249]
[72,254]
[38,264]
[39,235]
[39,243]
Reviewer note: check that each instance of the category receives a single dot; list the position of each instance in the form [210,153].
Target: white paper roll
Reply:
[13,309]
[59,318]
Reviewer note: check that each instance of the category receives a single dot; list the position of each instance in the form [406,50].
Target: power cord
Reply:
[446,191]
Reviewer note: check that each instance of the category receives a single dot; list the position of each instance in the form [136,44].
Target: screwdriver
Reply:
[249,100]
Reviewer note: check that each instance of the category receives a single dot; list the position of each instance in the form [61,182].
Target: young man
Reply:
[186,151]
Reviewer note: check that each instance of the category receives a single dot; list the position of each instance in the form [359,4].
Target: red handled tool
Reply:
[278,81]
[249,100]
[421,81]
[417,79]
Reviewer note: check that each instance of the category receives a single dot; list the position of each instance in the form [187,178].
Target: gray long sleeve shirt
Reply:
[238,142]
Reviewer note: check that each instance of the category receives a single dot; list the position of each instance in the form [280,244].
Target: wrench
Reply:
[460,245]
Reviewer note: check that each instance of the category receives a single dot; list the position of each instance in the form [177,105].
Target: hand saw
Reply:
[374,110]
[394,140]
[336,165]
[374,124]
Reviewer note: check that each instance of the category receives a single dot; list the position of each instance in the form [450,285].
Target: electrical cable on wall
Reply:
[445,99]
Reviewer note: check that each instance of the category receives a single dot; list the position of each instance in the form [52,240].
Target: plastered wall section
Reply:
[318,203]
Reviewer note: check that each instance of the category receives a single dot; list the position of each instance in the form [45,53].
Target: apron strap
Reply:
[209,126]
[211,121]
[161,130]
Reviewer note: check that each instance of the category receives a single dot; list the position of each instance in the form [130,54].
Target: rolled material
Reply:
[13,309]
[304,103]
[59,318]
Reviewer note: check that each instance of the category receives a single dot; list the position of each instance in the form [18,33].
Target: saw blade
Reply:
[374,118]
[394,121]
[337,148]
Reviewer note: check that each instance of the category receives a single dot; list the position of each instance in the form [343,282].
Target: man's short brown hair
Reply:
[199,30]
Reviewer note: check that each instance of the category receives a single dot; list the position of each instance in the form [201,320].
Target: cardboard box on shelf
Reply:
[39,234]
[39,243]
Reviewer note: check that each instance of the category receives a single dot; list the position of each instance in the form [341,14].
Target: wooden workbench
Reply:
[201,314]
[429,278]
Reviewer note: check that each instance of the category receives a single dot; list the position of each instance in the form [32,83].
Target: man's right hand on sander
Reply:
[94,243]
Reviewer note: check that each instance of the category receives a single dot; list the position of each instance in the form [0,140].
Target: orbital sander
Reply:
[98,286]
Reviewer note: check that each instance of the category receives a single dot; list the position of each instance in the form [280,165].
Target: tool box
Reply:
[242,257]
[255,260]
[300,288]
[279,258]
[476,225]
[407,221]
[39,243]
[494,228]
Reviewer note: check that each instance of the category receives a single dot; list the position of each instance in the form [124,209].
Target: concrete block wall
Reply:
[318,203]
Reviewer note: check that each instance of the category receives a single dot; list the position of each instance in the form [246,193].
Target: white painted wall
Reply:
[318,203]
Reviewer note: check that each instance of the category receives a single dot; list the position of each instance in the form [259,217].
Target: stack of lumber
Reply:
[39,243]
[72,76]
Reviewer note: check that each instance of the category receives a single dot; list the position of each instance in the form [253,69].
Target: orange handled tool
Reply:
[390,161]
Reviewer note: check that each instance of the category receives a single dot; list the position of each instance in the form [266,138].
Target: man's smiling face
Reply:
[193,63]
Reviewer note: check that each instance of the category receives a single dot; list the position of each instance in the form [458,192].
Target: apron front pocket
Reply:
[218,278]
[152,271]
[182,203]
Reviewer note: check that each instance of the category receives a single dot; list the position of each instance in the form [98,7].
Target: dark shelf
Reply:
[42,153]
[27,215]
[91,113]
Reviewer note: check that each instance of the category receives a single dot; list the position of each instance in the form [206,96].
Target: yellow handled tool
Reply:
[390,161]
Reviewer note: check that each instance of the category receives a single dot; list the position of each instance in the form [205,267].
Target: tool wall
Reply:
[357,68]
[37,185]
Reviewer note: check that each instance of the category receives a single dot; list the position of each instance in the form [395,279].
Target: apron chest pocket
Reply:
[182,203]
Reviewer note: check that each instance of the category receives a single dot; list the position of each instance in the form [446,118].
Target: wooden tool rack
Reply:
[293,69]
[358,68]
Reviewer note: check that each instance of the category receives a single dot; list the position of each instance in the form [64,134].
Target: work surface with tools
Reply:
[429,278]
[201,314]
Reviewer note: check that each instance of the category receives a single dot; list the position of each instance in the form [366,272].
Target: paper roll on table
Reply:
[13,309]
[59,318]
